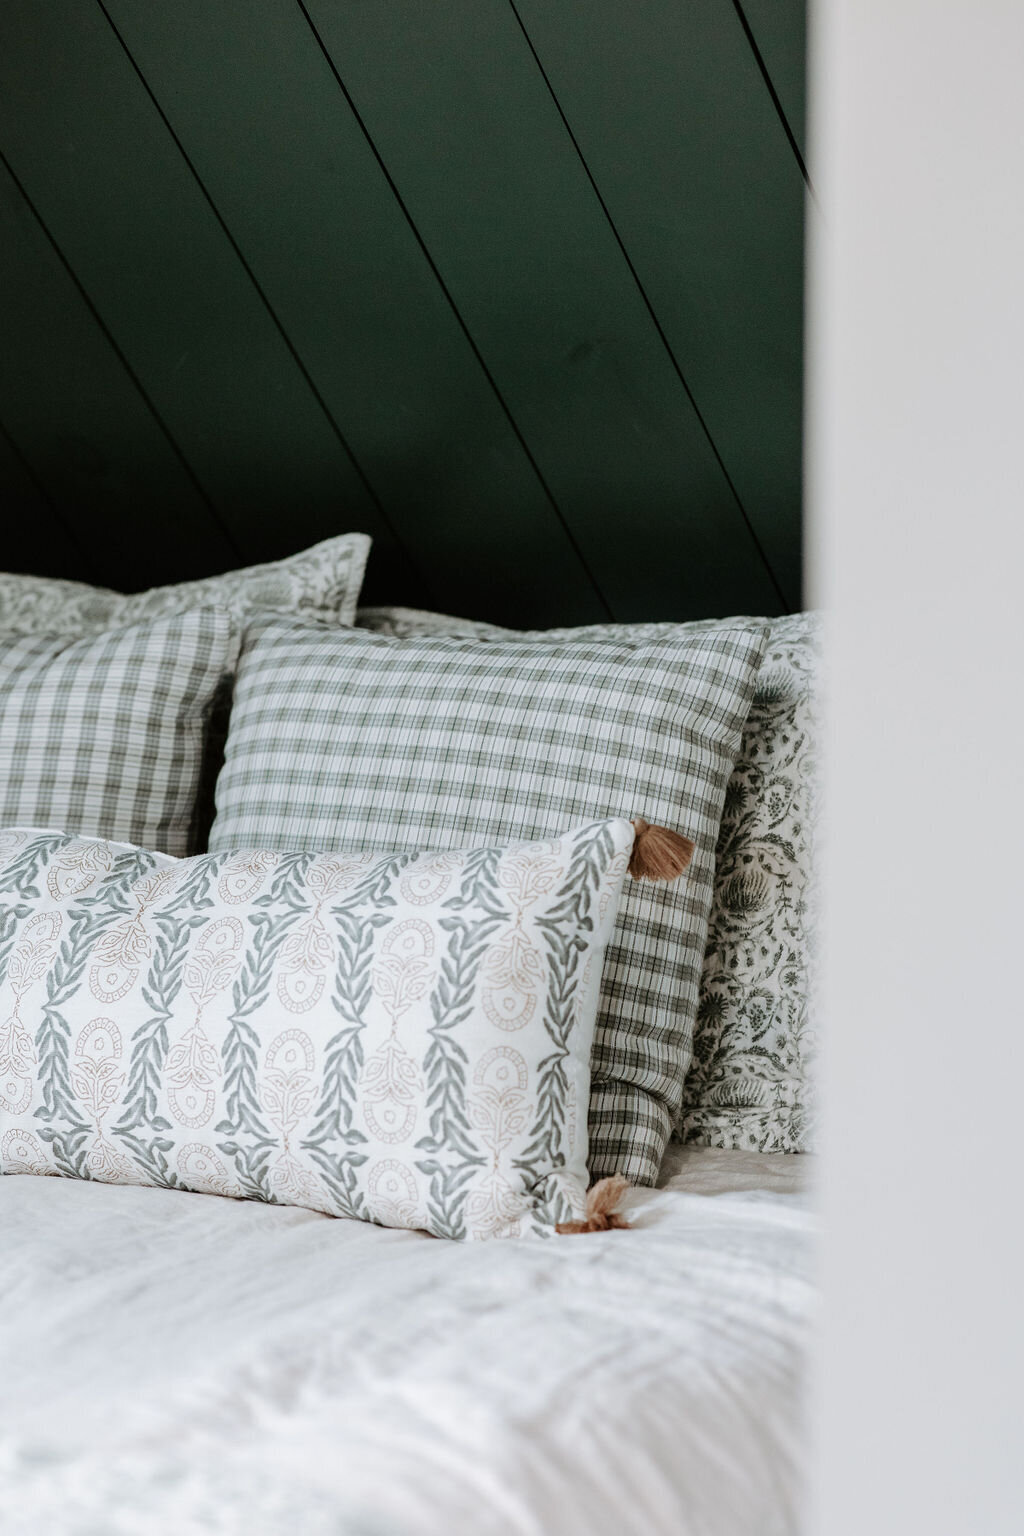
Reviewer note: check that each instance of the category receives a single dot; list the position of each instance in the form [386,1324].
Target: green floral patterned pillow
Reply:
[752,1081]
[404,1039]
[324,580]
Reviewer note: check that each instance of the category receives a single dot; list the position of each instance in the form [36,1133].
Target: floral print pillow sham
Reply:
[752,1080]
[322,582]
[403,1039]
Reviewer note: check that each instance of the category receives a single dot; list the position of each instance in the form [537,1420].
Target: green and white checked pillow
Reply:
[105,735]
[402,1040]
[348,741]
[322,581]
[751,1083]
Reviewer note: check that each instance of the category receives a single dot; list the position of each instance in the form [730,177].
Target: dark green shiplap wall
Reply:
[515,286]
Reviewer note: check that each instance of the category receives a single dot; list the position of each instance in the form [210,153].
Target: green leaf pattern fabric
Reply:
[403,1040]
[321,581]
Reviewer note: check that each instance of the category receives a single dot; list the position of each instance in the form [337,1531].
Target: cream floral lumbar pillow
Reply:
[403,1039]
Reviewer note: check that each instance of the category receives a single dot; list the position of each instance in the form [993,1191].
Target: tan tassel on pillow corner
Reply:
[658,852]
[601,1215]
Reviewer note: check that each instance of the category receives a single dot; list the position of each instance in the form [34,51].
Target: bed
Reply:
[175,1361]
[179,1363]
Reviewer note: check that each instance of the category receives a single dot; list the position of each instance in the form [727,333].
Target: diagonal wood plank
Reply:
[464,122]
[34,540]
[779,30]
[672,118]
[259,113]
[82,425]
[111,186]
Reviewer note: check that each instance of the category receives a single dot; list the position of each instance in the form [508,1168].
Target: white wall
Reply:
[916,496]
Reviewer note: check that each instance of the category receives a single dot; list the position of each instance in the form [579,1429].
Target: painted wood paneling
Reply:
[513,287]
[707,197]
[32,537]
[82,425]
[779,31]
[267,126]
[481,157]
[87,144]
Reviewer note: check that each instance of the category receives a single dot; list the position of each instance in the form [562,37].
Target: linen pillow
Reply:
[349,741]
[413,623]
[403,1039]
[105,735]
[751,1082]
[322,580]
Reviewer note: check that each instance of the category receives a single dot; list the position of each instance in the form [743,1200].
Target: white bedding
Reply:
[174,1364]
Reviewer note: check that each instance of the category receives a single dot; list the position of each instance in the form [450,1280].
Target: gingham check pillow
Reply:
[348,741]
[751,1082]
[322,582]
[104,736]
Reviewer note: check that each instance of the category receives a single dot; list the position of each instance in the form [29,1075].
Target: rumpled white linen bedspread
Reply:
[174,1364]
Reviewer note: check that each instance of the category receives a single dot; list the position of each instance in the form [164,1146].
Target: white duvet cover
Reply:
[174,1364]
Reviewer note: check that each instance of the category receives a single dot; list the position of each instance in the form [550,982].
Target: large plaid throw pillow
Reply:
[105,735]
[751,1083]
[349,741]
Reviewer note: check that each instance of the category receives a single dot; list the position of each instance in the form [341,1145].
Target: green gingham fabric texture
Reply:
[321,583]
[752,1080]
[350,741]
[104,736]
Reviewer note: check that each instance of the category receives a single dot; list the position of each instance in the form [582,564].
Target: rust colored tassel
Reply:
[658,852]
[601,1216]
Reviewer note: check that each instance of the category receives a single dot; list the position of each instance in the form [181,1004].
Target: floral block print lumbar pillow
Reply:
[402,1039]
[347,740]
[323,582]
[105,735]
